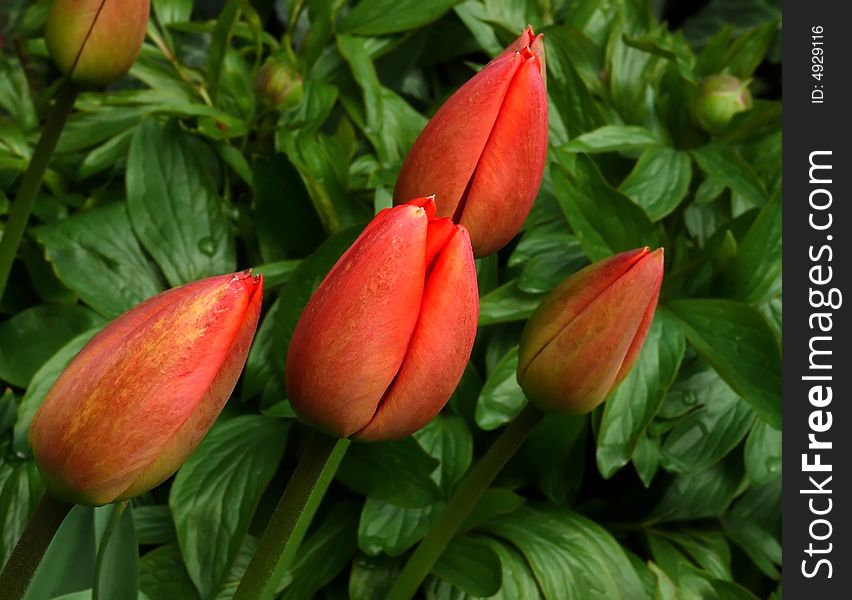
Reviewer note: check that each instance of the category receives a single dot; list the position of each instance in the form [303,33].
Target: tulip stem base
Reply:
[292,516]
[19,213]
[25,558]
[467,495]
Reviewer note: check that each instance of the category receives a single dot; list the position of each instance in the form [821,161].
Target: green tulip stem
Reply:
[21,566]
[467,495]
[19,213]
[292,516]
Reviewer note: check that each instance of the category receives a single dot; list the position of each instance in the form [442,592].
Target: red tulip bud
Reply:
[138,398]
[483,153]
[384,340]
[586,335]
[96,41]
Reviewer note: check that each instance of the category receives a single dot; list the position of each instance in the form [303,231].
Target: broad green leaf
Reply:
[763,453]
[323,554]
[87,129]
[380,17]
[173,204]
[33,335]
[117,567]
[163,576]
[154,525]
[448,440]
[722,163]
[659,180]
[630,408]
[216,491]
[106,155]
[471,565]
[718,421]
[665,589]
[373,576]
[571,556]
[501,399]
[763,549]
[97,255]
[398,472]
[748,50]
[493,503]
[507,303]
[390,529]
[172,11]
[604,220]
[754,274]
[700,494]
[646,458]
[40,385]
[20,491]
[547,253]
[561,438]
[612,138]
[736,340]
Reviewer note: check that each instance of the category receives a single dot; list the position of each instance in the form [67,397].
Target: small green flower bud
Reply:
[720,97]
[96,41]
[278,84]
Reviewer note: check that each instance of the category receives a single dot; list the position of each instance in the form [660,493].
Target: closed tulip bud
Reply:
[720,97]
[96,41]
[279,85]
[483,153]
[587,333]
[140,396]
[384,340]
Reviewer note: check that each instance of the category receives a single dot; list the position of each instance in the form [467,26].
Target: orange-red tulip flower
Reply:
[384,340]
[96,41]
[483,153]
[586,335]
[140,396]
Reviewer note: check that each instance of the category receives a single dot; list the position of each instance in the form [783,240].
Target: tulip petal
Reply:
[442,160]
[590,349]
[123,402]
[508,175]
[440,346]
[568,300]
[353,334]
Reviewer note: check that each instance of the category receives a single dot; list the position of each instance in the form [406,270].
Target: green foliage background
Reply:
[670,490]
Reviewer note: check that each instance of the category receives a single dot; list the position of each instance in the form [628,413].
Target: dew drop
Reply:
[207,246]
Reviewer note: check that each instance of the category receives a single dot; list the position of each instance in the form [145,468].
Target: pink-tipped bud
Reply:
[137,399]
[96,41]
[586,335]
[384,340]
[720,97]
[483,153]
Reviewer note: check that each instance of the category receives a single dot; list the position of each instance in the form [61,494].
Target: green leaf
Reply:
[718,421]
[646,458]
[163,576]
[471,565]
[493,503]
[380,17]
[117,571]
[372,576]
[501,399]
[96,254]
[398,472]
[33,335]
[700,494]
[40,385]
[736,340]
[570,556]
[612,138]
[217,490]
[754,274]
[763,454]
[324,553]
[659,180]
[630,408]
[547,253]
[173,204]
[748,50]
[448,440]
[154,525]
[604,220]
[507,303]
[172,11]
[722,163]
[755,541]
[20,491]
[390,529]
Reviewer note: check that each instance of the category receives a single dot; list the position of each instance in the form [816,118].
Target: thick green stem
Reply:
[463,501]
[19,214]
[18,572]
[292,516]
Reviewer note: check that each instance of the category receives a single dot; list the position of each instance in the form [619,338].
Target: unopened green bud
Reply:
[278,84]
[96,41]
[720,97]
